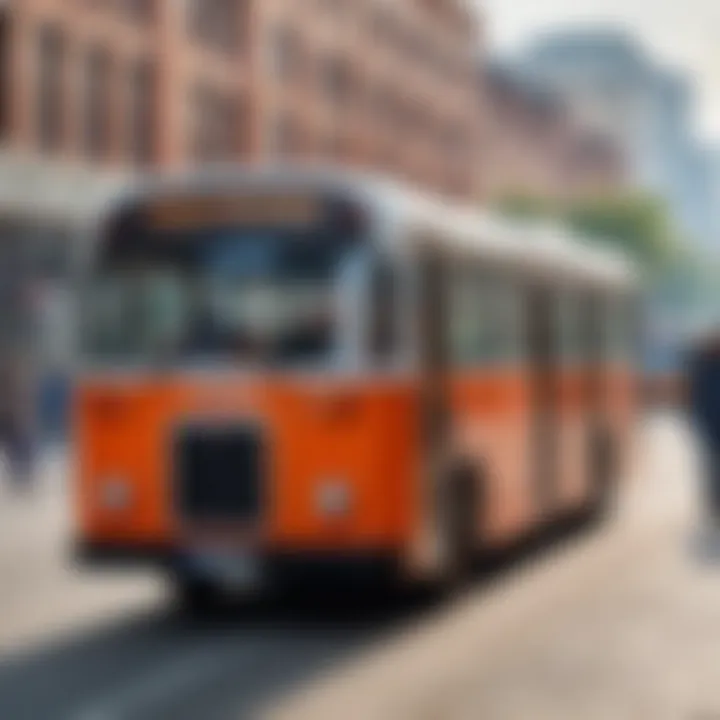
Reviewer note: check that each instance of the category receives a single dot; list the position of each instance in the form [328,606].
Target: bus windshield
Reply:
[260,296]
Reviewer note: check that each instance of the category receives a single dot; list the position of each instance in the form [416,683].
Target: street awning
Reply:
[49,191]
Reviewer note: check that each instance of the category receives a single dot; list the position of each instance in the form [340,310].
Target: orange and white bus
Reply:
[306,370]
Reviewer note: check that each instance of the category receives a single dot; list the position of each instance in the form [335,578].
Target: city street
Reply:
[347,286]
[619,622]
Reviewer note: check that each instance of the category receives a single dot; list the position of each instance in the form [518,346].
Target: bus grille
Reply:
[218,474]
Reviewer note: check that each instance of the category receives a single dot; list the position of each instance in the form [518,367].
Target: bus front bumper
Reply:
[276,567]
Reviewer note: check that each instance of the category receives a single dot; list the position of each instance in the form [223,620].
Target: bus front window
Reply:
[261,297]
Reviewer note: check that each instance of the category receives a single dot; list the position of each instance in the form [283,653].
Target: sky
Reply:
[684,34]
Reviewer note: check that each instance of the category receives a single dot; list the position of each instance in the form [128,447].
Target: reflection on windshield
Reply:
[261,297]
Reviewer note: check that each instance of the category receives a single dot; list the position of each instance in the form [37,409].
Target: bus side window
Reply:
[632,312]
[503,321]
[467,317]
[606,333]
[485,322]
[384,311]
[592,329]
[572,328]
[621,322]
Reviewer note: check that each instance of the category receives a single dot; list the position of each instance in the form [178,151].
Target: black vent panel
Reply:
[218,472]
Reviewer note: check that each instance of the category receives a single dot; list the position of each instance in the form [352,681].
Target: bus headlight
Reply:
[333,498]
[115,493]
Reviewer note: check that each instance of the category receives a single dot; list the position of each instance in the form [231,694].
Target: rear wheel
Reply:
[458,528]
[603,470]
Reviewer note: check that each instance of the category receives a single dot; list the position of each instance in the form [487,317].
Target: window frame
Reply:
[500,326]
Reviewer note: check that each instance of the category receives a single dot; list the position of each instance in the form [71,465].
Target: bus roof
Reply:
[541,248]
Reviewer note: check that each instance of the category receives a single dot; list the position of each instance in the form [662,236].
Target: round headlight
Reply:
[115,493]
[334,498]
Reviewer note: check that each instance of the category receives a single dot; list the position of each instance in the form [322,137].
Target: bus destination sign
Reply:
[192,213]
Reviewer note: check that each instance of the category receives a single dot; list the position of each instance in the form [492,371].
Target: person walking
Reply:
[704,406]
[16,415]
[18,338]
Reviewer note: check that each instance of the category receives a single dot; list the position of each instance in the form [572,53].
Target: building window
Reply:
[142,118]
[139,11]
[97,99]
[215,23]
[213,125]
[50,89]
[285,54]
[336,80]
[283,137]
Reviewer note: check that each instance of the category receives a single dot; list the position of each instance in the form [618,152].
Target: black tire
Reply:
[603,471]
[195,597]
[459,516]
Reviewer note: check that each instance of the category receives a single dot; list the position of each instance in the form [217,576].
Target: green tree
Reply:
[638,224]
[527,207]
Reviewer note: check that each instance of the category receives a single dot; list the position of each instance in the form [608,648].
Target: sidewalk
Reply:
[42,594]
[40,513]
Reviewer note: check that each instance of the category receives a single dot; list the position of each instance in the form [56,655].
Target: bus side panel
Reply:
[491,426]
[365,437]
[621,408]
[118,439]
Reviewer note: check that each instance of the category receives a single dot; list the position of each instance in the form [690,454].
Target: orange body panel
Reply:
[366,433]
[313,431]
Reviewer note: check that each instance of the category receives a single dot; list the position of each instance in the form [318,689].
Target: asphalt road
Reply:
[150,665]
[76,646]
[565,631]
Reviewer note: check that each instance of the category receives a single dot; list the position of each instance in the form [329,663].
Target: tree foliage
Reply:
[638,224]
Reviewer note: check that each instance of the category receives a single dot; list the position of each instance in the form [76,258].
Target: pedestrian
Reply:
[16,415]
[704,406]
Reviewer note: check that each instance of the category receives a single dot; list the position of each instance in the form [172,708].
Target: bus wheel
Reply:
[195,597]
[603,477]
[459,512]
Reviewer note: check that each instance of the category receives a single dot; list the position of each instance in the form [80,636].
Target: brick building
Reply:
[118,83]
[93,90]
[532,145]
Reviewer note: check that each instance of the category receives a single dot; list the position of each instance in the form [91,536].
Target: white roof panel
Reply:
[540,246]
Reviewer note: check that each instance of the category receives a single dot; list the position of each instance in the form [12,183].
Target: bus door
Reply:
[543,374]
[433,347]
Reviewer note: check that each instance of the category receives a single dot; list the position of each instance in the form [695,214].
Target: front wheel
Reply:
[603,472]
[458,532]
[194,597]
